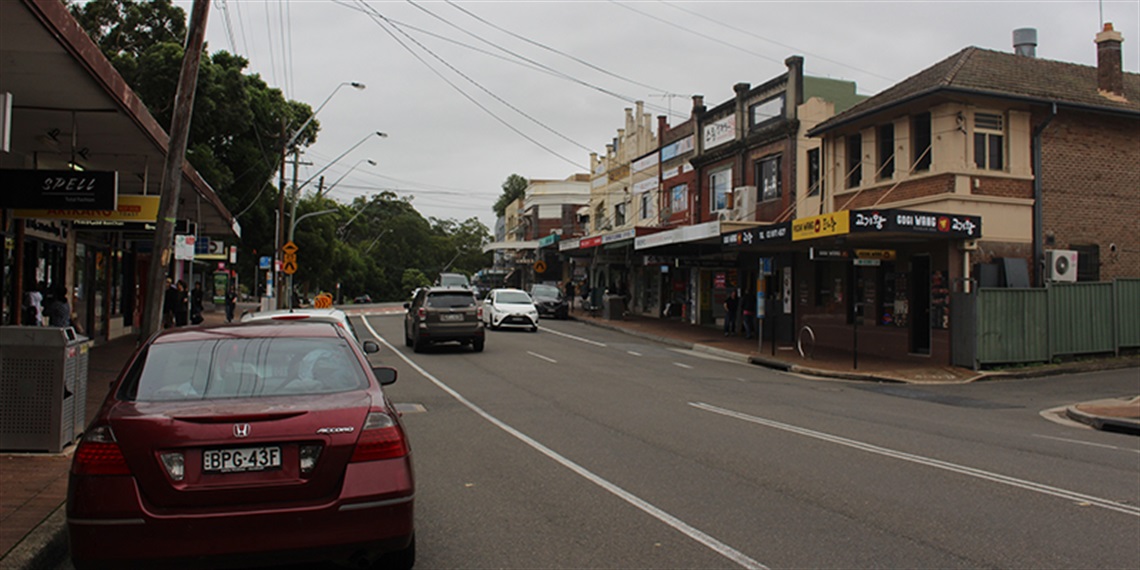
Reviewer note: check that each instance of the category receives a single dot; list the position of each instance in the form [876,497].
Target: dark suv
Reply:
[442,314]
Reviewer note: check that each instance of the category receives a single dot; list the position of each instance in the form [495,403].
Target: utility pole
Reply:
[172,171]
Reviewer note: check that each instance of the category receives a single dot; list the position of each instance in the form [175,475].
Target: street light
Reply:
[333,185]
[284,149]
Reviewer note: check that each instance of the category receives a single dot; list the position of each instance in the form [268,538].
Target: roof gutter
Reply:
[1038,216]
[824,127]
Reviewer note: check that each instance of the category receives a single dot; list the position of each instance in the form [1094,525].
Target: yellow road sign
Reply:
[289,264]
[289,248]
[323,301]
[540,266]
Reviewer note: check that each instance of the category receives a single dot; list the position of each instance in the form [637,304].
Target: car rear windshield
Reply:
[546,291]
[450,300]
[513,297]
[453,280]
[243,368]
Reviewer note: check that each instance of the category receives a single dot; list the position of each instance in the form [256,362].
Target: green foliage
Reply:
[413,279]
[513,188]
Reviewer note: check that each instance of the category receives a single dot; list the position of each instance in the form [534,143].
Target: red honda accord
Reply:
[246,444]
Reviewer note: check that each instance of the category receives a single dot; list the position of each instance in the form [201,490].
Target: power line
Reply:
[373,14]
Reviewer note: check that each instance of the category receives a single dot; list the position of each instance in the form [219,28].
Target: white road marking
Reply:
[936,463]
[577,338]
[633,353]
[1087,443]
[681,526]
[546,358]
[686,366]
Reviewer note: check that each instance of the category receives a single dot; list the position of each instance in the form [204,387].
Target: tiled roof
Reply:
[1000,74]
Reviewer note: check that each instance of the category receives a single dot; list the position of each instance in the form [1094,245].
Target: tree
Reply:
[513,188]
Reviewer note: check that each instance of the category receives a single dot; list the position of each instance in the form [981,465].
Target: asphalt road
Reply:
[586,448]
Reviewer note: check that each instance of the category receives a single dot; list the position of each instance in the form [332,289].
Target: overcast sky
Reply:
[462,114]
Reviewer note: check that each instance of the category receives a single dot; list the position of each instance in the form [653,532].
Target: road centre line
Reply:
[686,366]
[630,352]
[945,465]
[577,338]
[708,541]
[546,358]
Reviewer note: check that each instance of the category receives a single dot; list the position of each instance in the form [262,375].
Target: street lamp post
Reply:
[285,149]
[358,163]
[297,198]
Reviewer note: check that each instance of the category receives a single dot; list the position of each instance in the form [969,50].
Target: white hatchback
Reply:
[510,307]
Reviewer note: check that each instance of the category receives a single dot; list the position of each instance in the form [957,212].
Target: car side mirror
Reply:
[371,346]
[385,375]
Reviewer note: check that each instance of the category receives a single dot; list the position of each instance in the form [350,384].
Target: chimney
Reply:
[662,125]
[698,104]
[1025,42]
[1109,63]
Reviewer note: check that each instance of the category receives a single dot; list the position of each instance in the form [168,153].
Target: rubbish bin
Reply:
[613,307]
[43,387]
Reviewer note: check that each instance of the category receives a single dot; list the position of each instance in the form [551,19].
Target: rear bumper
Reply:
[122,531]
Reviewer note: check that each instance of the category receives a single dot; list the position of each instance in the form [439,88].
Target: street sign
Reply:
[289,264]
[289,248]
[540,266]
[867,262]
[264,262]
[323,301]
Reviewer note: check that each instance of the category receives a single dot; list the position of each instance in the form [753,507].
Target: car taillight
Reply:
[479,312]
[421,313]
[381,438]
[99,454]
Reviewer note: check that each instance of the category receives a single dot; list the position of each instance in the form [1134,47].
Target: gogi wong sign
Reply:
[913,221]
[59,189]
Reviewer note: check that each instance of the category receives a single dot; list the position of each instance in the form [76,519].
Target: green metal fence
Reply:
[1009,326]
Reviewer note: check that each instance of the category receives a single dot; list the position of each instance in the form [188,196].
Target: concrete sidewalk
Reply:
[34,485]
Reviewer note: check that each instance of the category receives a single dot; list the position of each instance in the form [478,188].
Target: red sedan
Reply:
[245,444]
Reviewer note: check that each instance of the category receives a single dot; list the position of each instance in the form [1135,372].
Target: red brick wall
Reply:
[1003,187]
[1091,187]
[943,184]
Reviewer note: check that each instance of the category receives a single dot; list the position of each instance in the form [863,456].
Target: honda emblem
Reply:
[241,430]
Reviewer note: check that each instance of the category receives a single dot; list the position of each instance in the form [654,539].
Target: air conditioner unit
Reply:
[1061,265]
[744,203]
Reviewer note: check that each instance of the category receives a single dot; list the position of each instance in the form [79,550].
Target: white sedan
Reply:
[510,307]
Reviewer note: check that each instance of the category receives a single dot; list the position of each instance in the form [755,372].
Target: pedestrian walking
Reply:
[169,304]
[196,304]
[570,295]
[231,304]
[181,318]
[730,305]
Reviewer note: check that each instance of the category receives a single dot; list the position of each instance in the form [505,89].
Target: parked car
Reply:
[549,300]
[453,280]
[362,299]
[260,443]
[510,307]
[443,314]
[335,316]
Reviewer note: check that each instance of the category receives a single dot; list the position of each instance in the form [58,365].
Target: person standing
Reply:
[58,310]
[570,295]
[748,314]
[231,304]
[180,307]
[730,306]
[34,306]
[196,304]
[169,304]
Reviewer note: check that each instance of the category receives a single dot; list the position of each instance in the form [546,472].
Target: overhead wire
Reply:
[244,34]
[272,59]
[376,17]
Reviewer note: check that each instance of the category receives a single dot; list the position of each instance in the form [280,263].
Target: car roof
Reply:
[268,329]
[509,290]
[452,290]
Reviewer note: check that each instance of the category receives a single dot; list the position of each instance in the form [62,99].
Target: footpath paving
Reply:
[33,486]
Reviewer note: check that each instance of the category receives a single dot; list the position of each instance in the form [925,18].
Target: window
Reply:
[599,217]
[854,160]
[815,173]
[989,137]
[646,205]
[719,183]
[768,178]
[769,110]
[886,141]
[679,198]
[619,215]
[921,150]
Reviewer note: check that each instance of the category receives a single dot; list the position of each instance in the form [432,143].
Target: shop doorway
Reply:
[920,304]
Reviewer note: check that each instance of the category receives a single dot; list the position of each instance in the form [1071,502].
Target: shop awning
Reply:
[511,245]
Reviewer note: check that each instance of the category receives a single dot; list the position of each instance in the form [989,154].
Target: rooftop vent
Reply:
[1025,42]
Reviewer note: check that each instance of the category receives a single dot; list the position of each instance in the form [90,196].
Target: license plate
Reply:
[241,459]
[451,317]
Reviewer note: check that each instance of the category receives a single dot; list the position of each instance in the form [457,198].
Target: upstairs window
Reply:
[854,160]
[719,183]
[619,215]
[768,178]
[768,110]
[646,205]
[989,141]
[815,173]
[599,217]
[921,150]
[886,166]
[679,198]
